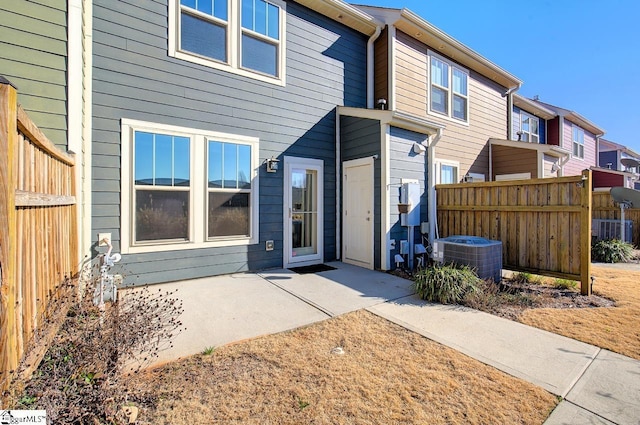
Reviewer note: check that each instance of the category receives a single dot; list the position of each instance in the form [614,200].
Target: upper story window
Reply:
[578,142]
[241,36]
[529,128]
[449,88]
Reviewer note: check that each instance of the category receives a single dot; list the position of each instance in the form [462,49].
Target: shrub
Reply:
[565,283]
[76,382]
[611,251]
[446,284]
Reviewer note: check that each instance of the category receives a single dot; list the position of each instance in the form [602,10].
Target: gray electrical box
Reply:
[410,194]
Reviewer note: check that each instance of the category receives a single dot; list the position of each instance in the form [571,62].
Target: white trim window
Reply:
[448,89]
[167,204]
[447,171]
[529,128]
[577,137]
[245,37]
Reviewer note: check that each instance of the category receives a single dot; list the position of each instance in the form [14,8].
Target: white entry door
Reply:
[303,218]
[357,212]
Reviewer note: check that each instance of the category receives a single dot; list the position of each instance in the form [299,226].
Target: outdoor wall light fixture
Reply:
[272,164]
[382,103]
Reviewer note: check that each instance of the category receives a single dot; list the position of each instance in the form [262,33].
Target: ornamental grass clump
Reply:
[611,251]
[446,284]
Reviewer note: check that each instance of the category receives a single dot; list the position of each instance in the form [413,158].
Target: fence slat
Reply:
[8,232]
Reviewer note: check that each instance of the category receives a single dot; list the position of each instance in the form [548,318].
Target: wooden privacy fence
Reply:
[38,242]
[604,207]
[544,224]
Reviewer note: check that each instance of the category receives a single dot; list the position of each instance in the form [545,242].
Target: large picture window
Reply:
[449,89]
[185,188]
[241,36]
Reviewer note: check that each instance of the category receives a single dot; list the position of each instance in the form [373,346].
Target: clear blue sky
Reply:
[582,55]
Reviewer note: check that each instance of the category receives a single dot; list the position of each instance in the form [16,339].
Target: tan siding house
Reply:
[468,96]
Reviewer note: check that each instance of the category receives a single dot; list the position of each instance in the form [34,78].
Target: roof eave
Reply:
[533,107]
[344,13]
[451,47]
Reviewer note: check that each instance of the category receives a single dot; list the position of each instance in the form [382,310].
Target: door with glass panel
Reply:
[303,219]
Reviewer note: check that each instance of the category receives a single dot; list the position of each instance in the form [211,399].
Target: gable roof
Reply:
[574,117]
[418,28]
[344,13]
[608,145]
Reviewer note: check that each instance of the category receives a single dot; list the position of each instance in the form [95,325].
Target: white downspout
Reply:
[509,95]
[431,205]
[338,188]
[370,66]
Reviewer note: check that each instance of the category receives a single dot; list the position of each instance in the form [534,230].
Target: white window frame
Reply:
[198,234]
[529,134]
[438,172]
[578,143]
[234,44]
[449,90]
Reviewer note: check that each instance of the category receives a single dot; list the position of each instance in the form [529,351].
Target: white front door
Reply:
[357,212]
[303,218]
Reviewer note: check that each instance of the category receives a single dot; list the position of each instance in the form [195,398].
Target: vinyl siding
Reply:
[508,160]
[404,163]
[134,78]
[381,67]
[360,138]
[460,142]
[549,161]
[33,42]
[575,165]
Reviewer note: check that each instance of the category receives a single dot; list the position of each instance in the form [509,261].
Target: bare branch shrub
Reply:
[96,351]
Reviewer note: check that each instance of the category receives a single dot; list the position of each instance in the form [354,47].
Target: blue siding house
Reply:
[214,131]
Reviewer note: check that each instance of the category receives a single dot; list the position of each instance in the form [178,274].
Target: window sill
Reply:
[447,118]
[180,246]
[200,60]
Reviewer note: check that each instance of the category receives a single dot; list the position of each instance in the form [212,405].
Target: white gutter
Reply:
[431,204]
[370,66]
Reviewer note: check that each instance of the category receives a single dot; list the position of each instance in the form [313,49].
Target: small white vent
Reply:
[603,229]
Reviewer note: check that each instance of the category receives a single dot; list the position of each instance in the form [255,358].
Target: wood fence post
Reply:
[585,233]
[8,229]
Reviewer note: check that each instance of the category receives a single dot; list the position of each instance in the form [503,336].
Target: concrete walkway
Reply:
[597,386]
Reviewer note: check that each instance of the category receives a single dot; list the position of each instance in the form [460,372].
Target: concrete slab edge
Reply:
[568,413]
[573,383]
[301,298]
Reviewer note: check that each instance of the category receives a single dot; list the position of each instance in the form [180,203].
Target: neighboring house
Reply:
[526,155]
[574,133]
[214,131]
[439,103]
[617,166]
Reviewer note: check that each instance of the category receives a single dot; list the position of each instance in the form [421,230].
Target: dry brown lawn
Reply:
[387,375]
[615,328]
